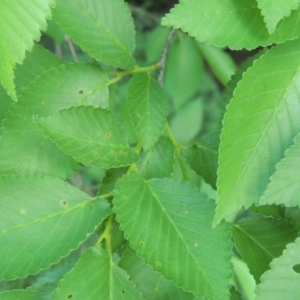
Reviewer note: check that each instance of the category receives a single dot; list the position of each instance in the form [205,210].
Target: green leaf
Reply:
[5,104]
[259,240]
[91,135]
[148,107]
[184,70]
[159,161]
[42,215]
[40,292]
[165,218]
[275,10]
[187,122]
[24,149]
[282,281]
[110,179]
[274,211]
[105,279]
[104,29]
[36,62]
[203,158]
[284,187]
[236,24]
[259,125]
[151,284]
[20,25]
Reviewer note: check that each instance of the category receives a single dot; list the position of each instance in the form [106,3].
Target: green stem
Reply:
[106,233]
[137,69]
[177,152]
[133,167]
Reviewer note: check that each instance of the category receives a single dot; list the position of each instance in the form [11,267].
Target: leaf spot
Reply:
[108,135]
[186,212]
[123,153]
[123,292]
[63,203]
[23,212]
[80,92]
[70,296]
[113,154]
[142,243]
[138,116]
[158,263]
[96,154]
[43,102]
[196,245]
[296,268]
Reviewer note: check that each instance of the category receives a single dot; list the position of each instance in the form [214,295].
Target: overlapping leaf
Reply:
[20,25]
[102,28]
[275,10]
[284,187]
[110,179]
[260,124]
[24,149]
[42,215]
[203,158]
[151,284]
[42,292]
[236,24]
[259,240]
[105,280]
[91,135]
[282,281]
[159,161]
[148,108]
[168,223]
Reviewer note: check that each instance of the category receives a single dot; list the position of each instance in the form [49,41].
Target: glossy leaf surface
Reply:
[148,108]
[42,215]
[91,135]
[259,240]
[275,10]
[27,18]
[24,149]
[168,223]
[259,125]
[282,281]
[236,24]
[105,280]
[103,28]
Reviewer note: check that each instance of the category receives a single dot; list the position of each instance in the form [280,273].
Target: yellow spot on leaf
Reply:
[96,154]
[108,135]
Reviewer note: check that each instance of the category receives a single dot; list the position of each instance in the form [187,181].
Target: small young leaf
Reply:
[104,279]
[20,25]
[40,292]
[151,284]
[148,107]
[259,240]
[284,187]
[173,229]
[159,161]
[24,149]
[42,215]
[259,125]
[111,177]
[91,135]
[275,10]
[282,281]
[103,28]
[236,24]
[203,158]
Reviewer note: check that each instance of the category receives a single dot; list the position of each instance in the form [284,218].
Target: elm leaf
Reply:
[91,135]
[168,223]
[42,215]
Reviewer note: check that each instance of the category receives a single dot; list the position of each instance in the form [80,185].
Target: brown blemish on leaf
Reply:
[108,135]
[96,154]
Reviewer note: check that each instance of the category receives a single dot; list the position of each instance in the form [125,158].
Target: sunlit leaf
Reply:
[282,281]
[103,28]
[42,215]
[168,223]
[148,108]
[259,240]
[24,149]
[236,24]
[20,25]
[259,125]
[275,10]
[104,280]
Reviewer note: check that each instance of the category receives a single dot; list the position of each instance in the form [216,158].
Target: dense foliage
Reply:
[125,174]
